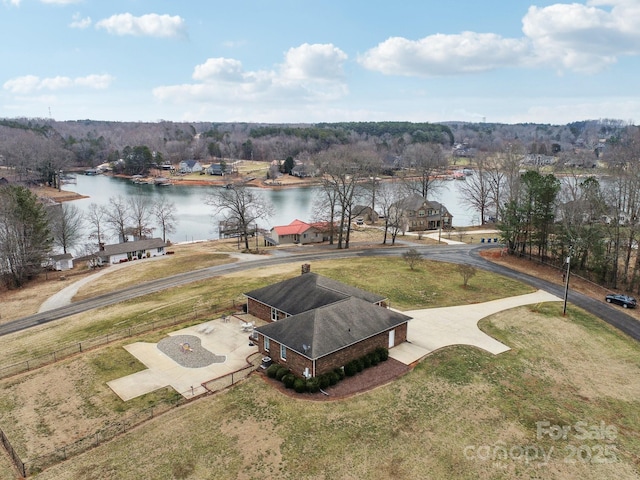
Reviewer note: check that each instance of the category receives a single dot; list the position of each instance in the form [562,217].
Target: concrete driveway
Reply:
[434,328]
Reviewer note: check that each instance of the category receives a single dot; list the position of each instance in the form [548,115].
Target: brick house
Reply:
[318,324]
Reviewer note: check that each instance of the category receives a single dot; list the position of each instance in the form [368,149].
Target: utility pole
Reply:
[566,283]
[440,225]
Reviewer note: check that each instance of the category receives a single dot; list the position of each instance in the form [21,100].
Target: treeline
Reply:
[30,230]
[553,212]
[420,132]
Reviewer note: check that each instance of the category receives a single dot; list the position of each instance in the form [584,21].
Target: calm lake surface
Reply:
[197,222]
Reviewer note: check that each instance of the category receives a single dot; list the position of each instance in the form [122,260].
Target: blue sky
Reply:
[286,61]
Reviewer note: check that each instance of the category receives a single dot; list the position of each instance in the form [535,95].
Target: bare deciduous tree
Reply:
[96,216]
[140,210]
[117,217]
[476,190]
[467,272]
[240,206]
[165,213]
[66,224]
[412,257]
[343,168]
[389,194]
[423,161]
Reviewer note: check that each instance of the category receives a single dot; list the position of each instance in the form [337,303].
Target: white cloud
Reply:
[31,83]
[234,43]
[79,22]
[20,85]
[440,54]
[584,38]
[577,37]
[151,25]
[222,69]
[314,62]
[310,73]
[15,3]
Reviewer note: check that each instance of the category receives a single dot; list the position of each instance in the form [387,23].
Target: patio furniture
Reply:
[246,326]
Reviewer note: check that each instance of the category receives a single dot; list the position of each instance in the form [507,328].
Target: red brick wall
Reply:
[294,362]
[344,356]
[261,310]
[258,309]
[297,363]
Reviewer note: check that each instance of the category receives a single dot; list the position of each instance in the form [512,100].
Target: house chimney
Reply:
[306,268]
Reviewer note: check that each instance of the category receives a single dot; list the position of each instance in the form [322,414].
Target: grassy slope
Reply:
[415,428]
[432,284]
[418,427]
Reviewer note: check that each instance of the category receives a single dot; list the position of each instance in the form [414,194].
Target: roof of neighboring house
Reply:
[126,247]
[61,256]
[189,163]
[308,291]
[326,329]
[361,210]
[415,202]
[294,228]
[298,227]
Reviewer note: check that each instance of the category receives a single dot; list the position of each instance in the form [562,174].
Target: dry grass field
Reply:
[453,416]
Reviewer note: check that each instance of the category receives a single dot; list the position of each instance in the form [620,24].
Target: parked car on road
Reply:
[624,300]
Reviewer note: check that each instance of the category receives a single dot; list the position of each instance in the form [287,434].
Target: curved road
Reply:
[467,254]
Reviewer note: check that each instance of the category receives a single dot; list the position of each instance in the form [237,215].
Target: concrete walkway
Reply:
[434,328]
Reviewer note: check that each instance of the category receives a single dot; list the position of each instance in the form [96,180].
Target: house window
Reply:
[421,213]
[283,352]
[274,315]
[266,344]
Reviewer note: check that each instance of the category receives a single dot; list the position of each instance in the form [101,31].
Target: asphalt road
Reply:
[467,254]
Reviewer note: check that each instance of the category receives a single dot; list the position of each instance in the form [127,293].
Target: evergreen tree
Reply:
[25,240]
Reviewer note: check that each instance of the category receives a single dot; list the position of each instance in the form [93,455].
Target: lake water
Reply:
[196,220]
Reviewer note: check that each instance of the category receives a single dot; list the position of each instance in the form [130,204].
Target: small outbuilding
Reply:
[61,262]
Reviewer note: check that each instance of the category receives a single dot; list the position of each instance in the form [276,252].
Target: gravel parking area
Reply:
[187,351]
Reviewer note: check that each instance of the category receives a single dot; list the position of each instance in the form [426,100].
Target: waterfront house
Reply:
[419,214]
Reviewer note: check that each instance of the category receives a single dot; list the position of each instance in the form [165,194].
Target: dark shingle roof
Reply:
[61,256]
[415,202]
[308,291]
[319,332]
[131,247]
